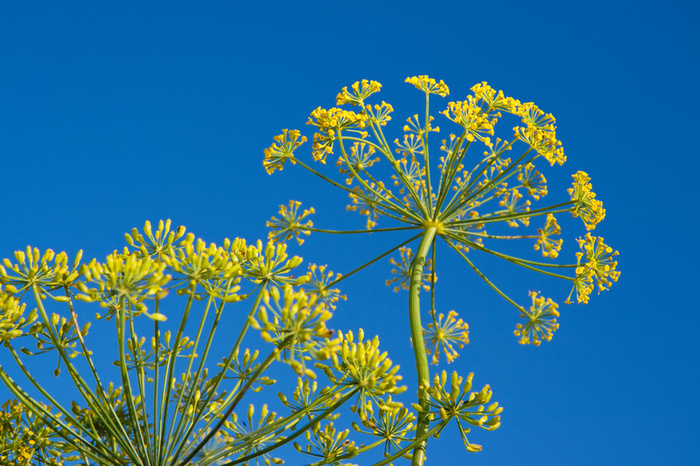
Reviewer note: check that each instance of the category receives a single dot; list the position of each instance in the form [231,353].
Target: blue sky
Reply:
[113,113]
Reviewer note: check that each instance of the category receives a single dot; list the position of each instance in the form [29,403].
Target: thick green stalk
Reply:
[417,337]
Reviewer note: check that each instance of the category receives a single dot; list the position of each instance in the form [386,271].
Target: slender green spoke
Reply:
[483,277]
[349,274]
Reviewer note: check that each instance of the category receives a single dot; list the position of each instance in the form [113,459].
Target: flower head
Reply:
[586,205]
[429,85]
[290,223]
[358,92]
[329,123]
[361,157]
[599,261]
[444,334]
[319,284]
[403,271]
[539,133]
[458,402]
[540,322]
[276,155]
[550,247]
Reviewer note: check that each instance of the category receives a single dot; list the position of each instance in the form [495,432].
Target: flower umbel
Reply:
[599,261]
[464,201]
[550,247]
[429,85]
[586,205]
[277,154]
[540,322]
[443,334]
[290,225]
[403,271]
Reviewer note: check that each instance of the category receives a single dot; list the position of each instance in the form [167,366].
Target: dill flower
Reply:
[290,224]
[458,402]
[599,261]
[320,283]
[540,133]
[511,202]
[460,199]
[329,445]
[403,271]
[586,205]
[541,321]
[361,158]
[359,92]
[445,333]
[276,155]
[429,85]
[550,247]
[533,181]
[394,424]
[329,123]
[360,364]
[368,202]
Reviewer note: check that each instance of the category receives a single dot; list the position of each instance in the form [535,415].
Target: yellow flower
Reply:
[443,334]
[361,157]
[358,94]
[276,155]
[512,208]
[470,115]
[368,202]
[362,365]
[330,122]
[586,205]
[290,224]
[403,271]
[495,99]
[540,133]
[380,115]
[583,285]
[429,85]
[541,321]
[550,247]
[319,283]
[599,261]
[533,181]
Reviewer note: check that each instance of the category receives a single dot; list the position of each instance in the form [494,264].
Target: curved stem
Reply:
[417,337]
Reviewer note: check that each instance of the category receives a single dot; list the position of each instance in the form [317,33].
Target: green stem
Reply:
[421,357]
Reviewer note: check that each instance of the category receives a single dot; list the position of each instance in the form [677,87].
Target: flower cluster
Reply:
[540,321]
[276,155]
[550,247]
[292,320]
[429,85]
[464,200]
[403,271]
[445,333]
[361,365]
[320,285]
[290,225]
[330,123]
[359,92]
[458,402]
[586,205]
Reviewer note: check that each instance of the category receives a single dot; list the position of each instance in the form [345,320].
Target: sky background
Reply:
[113,113]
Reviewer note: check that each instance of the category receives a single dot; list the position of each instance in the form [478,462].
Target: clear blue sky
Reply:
[112,113]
